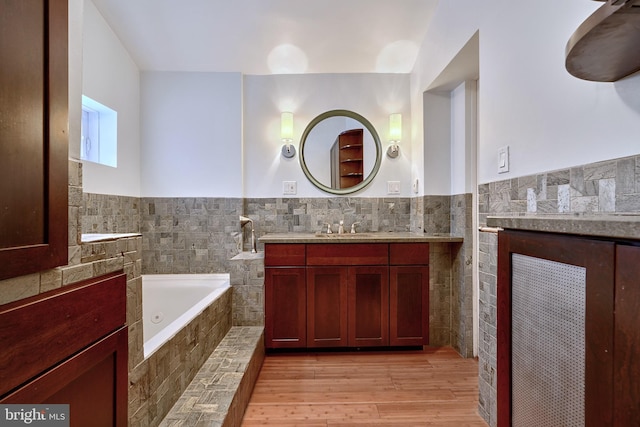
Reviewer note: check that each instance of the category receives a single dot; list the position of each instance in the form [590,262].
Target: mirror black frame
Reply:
[366,124]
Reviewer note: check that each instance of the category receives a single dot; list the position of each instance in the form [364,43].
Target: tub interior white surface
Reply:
[171,301]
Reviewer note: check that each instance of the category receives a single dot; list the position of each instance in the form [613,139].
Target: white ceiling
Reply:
[271,36]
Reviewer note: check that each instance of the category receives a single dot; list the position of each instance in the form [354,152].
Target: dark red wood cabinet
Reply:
[357,295]
[612,324]
[69,346]
[33,136]
[409,294]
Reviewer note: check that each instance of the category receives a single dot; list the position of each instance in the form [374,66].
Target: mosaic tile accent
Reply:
[220,391]
[598,188]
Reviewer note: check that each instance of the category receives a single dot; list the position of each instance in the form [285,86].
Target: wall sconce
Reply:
[286,133]
[395,135]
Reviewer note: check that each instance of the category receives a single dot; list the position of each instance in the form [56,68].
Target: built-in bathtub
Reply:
[171,301]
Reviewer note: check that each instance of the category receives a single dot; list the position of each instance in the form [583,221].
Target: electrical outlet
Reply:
[393,187]
[289,187]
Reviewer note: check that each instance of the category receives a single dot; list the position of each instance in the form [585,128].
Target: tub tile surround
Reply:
[595,191]
[157,382]
[220,391]
[189,235]
[247,280]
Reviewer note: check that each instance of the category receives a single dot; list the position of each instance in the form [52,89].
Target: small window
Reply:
[99,133]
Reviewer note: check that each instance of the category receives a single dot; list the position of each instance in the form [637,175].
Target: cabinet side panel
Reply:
[627,337]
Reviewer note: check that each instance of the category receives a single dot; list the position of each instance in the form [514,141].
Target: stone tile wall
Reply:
[602,187]
[462,274]
[104,213]
[439,294]
[310,215]
[189,235]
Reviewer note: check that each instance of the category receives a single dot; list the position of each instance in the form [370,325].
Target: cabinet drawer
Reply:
[409,254]
[348,254]
[284,255]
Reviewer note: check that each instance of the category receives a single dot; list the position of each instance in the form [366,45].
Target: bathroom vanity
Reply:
[347,290]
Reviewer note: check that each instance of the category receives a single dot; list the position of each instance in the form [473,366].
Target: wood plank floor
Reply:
[430,387]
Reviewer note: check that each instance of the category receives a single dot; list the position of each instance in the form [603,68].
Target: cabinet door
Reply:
[93,383]
[368,306]
[627,337]
[327,306]
[33,136]
[555,303]
[409,305]
[285,310]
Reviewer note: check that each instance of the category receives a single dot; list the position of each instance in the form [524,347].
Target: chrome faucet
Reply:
[353,227]
[341,227]
[329,230]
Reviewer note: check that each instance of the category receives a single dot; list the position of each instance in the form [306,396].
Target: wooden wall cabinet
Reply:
[33,136]
[347,159]
[349,300]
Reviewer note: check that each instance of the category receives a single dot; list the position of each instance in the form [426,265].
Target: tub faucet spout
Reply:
[244,221]
[253,240]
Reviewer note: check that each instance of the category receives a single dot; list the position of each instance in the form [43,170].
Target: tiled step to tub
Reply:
[220,391]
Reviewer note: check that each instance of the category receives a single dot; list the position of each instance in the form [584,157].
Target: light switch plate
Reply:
[503,159]
[289,187]
[393,187]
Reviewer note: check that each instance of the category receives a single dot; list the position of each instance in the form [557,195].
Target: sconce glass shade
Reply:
[395,127]
[395,134]
[286,134]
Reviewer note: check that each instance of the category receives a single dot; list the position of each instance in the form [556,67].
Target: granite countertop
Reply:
[104,237]
[373,237]
[611,225]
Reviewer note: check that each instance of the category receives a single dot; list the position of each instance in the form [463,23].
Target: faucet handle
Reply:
[329,231]
[353,227]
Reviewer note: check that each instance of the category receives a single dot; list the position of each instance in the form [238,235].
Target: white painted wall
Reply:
[436,134]
[191,134]
[111,77]
[458,140]
[527,99]
[374,96]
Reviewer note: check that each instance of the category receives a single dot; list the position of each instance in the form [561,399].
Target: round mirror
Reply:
[340,152]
